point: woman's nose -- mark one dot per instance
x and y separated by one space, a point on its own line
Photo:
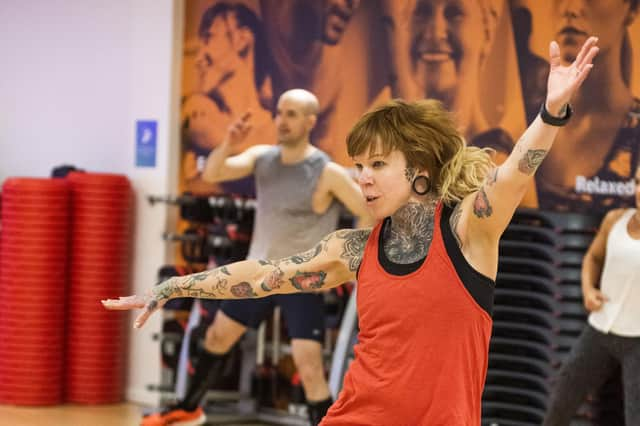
364 177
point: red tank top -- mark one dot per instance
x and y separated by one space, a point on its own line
422 351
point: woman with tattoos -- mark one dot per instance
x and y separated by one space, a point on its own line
611 339
425 272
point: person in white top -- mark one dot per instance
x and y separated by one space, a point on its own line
611 292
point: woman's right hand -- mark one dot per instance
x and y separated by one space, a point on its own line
593 299
150 301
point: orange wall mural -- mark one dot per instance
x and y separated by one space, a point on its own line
486 60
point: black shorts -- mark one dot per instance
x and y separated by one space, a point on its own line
303 313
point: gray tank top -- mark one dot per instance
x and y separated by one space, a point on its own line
285 223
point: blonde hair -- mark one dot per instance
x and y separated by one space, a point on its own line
426 133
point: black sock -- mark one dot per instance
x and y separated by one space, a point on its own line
208 369
317 410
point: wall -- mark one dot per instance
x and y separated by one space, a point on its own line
75 77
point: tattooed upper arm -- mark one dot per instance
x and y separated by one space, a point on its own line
504 186
492 206
350 243
530 160
355 241
481 202
331 262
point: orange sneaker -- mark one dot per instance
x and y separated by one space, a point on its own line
175 417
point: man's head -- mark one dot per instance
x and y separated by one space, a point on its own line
296 116
231 36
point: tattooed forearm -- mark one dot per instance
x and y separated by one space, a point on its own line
167 289
353 247
481 205
194 284
305 281
243 290
220 286
201 293
273 280
453 222
531 160
194 279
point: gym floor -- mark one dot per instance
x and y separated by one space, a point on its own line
82 415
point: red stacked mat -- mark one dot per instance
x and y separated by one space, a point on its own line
34 249
100 261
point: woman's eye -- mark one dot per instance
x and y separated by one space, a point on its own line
377 164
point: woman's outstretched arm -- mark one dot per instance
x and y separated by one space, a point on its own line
333 261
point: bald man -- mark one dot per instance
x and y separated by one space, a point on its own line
299 191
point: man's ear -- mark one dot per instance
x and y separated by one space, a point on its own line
312 120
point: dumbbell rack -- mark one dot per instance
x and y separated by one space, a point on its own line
200 243
205 238
538 314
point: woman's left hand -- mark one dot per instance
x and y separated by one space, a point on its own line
564 80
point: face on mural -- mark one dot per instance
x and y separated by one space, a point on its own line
575 20
336 16
447 43
218 55
203 122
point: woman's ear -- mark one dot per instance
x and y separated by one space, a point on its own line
412 172
423 172
421 184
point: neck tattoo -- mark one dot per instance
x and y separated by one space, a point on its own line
408 238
